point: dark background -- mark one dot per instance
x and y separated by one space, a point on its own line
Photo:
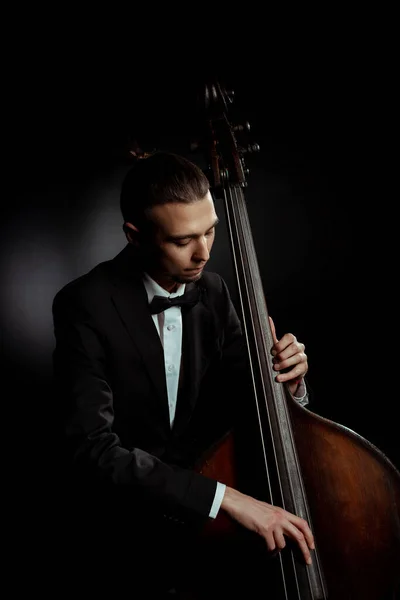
323 111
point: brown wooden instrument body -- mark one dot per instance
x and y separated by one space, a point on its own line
353 492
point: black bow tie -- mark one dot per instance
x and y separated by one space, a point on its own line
188 299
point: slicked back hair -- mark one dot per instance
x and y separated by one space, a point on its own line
160 178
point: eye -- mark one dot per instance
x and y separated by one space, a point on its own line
181 242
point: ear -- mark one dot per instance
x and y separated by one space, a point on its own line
131 233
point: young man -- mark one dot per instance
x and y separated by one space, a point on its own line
149 384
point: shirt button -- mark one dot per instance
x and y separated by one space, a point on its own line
170 327
170 367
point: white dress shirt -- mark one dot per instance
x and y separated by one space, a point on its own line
169 327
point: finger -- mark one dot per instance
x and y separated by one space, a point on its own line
273 330
287 344
269 538
291 349
302 526
298 536
297 359
297 373
279 540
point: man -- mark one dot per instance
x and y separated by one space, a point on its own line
148 387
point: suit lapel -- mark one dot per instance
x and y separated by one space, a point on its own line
130 300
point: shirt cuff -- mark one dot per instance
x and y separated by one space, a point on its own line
301 394
219 495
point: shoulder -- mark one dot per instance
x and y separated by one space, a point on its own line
217 298
211 280
216 289
214 284
90 285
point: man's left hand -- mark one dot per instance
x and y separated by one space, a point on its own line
288 354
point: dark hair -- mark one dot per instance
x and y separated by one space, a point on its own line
160 178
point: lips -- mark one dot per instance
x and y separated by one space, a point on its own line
195 270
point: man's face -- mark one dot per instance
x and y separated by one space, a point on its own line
183 237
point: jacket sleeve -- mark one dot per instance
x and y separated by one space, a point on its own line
83 384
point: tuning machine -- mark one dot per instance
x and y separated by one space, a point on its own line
240 128
245 148
250 149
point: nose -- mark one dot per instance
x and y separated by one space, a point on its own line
202 252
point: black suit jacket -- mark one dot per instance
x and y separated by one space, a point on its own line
110 377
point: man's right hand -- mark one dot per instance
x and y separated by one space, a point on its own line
271 522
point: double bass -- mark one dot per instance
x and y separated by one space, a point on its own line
346 488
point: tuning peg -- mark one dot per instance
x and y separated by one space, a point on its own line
245 127
250 149
245 168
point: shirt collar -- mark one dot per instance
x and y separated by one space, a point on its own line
154 289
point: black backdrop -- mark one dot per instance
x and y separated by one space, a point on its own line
320 218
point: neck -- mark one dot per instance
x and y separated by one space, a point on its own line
167 284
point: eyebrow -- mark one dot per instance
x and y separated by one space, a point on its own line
191 235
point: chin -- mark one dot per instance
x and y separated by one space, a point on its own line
188 278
